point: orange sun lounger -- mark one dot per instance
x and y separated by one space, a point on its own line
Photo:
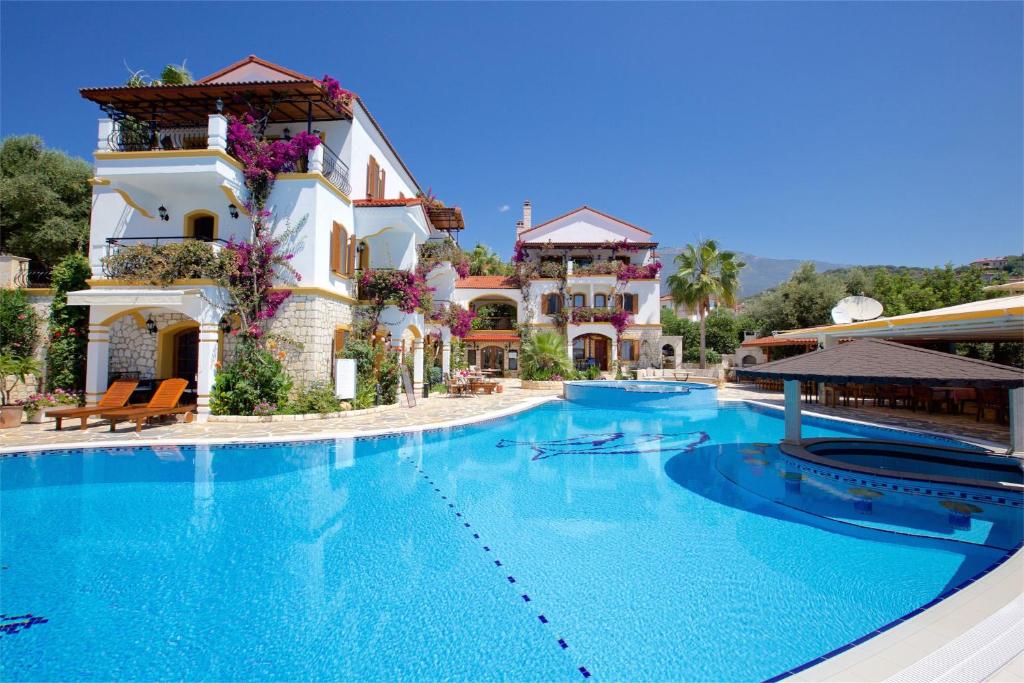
164 402
117 395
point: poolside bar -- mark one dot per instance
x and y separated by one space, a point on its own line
878 362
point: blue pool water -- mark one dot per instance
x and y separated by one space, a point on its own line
572 540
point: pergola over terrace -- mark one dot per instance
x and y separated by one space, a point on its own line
875 361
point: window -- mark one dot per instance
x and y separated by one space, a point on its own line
621 259
579 300
339 250
583 261
627 349
513 359
628 302
600 301
375 177
579 349
471 357
552 304
202 225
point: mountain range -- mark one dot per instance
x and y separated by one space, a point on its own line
759 274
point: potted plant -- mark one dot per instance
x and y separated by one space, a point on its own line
13 370
36 404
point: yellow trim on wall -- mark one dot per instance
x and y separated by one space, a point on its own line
188 230
92 282
132 203
37 291
98 181
319 177
165 346
317 291
171 154
233 199
940 318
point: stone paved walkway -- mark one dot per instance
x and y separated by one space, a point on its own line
439 410
961 426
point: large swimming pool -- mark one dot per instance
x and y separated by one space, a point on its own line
580 538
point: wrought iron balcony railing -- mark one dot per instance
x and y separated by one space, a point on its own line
141 137
336 171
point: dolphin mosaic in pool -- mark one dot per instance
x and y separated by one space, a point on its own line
615 443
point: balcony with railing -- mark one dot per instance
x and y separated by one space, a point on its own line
162 259
327 161
137 136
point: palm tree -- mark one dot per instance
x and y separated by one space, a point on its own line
544 355
705 273
483 261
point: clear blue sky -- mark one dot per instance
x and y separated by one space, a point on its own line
852 133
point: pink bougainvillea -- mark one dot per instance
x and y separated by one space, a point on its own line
519 252
262 160
404 289
339 97
630 271
457 319
619 319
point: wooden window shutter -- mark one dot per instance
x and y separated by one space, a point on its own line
339 340
371 179
351 266
336 248
383 176
618 301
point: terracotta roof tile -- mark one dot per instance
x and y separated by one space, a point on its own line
484 282
493 335
780 341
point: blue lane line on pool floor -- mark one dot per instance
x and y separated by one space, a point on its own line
511 579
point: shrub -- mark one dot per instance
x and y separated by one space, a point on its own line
692 355
316 398
65 357
592 372
435 377
13 371
376 369
254 376
543 357
165 263
19 332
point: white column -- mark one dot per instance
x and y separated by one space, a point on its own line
417 364
446 358
104 134
209 339
792 392
1017 421
316 159
97 363
217 132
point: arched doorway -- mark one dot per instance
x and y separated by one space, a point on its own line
591 349
748 360
492 358
201 225
668 356
186 355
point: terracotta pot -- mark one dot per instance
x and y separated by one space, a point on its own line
10 416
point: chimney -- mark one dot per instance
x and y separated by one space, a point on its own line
519 228
527 215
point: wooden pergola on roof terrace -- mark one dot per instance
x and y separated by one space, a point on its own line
875 361
250 84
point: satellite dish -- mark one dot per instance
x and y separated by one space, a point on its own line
859 308
840 315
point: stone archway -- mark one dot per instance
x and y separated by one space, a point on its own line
592 349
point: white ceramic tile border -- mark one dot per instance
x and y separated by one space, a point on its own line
291 438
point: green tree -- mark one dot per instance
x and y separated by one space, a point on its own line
723 331
704 273
44 201
483 261
66 355
805 300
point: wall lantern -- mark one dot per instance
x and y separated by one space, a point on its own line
233 210
219 104
164 216
150 325
225 324
287 134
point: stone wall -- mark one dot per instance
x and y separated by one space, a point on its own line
133 348
309 321
41 305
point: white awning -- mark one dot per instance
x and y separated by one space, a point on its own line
131 297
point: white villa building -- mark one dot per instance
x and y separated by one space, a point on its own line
583 267
354 197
